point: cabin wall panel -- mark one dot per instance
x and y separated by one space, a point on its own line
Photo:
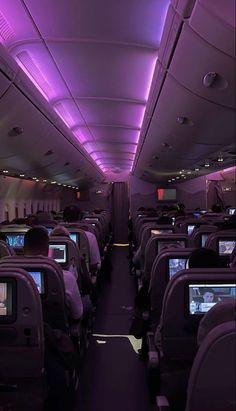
142 194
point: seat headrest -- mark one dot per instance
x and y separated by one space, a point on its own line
221 312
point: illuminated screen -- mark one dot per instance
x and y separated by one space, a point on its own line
73 237
190 228
5 299
204 237
232 211
226 247
175 265
164 243
15 240
202 297
58 252
91 219
161 231
38 279
166 194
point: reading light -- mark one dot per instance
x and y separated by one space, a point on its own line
209 79
169 181
5 171
197 169
220 159
22 175
44 181
206 164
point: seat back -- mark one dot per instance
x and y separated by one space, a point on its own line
165 265
5 249
15 234
212 379
155 244
21 342
183 308
189 224
200 235
50 275
222 242
78 235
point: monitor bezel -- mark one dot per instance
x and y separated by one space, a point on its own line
62 264
9 319
204 283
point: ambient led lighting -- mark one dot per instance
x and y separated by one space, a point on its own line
53 182
64 114
197 169
6 31
34 178
5 171
44 181
31 69
22 175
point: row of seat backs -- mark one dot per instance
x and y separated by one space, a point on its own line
53 295
178 328
212 242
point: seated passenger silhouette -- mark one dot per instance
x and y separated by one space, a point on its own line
204 258
36 242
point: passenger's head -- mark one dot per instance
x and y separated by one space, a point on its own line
164 219
204 258
216 208
59 230
36 241
3 237
71 214
208 295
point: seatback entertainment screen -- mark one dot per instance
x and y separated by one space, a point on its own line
202 297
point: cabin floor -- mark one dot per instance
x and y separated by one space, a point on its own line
112 375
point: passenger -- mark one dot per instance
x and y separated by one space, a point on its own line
36 242
72 214
84 291
216 208
204 258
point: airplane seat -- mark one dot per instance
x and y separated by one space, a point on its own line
189 224
151 230
166 264
155 245
48 276
5 249
22 383
200 234
223 242
172 350
210 384
213 375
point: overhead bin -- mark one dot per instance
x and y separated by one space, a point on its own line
201 131
194 59
214 21
183 7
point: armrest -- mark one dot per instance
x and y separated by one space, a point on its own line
162 403
153 353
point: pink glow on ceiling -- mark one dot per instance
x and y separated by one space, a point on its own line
227 170
41 67
32 70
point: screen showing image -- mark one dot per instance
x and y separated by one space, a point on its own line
73 237
204 237
166 194
160 231
202 297
58 252
190 228
164 243
15 240
226 246
38 279
91 219
175 265
232 211
5 299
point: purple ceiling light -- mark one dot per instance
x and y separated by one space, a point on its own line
31 69
96 72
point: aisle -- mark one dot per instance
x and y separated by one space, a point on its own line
112 376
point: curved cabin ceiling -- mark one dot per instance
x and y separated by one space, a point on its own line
126 86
